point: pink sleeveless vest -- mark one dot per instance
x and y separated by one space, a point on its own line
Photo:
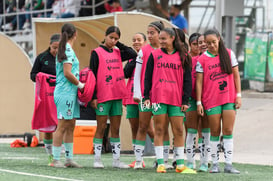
167 82
193 76
130 90
147 49
45 112
87 77
110 76
218 87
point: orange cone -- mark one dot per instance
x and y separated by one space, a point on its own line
34 141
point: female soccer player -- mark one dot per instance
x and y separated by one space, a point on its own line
46 63
168 79
202 44
145 113
193 120
106 64
218 92
65 96
139 40
193 42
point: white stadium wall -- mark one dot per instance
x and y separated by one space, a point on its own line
17 90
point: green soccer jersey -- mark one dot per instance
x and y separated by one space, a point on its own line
64 86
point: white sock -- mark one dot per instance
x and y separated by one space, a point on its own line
174 154
48 148
214 144
159 153
97 150
190 144
116 150
166 150
206 148
179 152
97 147
228 149
139 150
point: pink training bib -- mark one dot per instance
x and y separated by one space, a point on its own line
45 112
87 77
167 82
110 76
193 76
218 87
147 49
130 90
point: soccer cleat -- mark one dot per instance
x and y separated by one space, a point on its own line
190 165
98 163
50 159
160 169
57 164
138 165
203 168
215 168
143 164
185 170
132 165
72 164
168 166
230 169
119 164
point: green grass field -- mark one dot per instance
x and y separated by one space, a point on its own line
29 164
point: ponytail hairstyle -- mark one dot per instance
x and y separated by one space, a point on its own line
112 29
182 47
158 25
68 32
224 57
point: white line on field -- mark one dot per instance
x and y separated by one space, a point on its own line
37 175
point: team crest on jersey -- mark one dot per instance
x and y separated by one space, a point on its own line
46 62
209 110
101 109
156 107
69 113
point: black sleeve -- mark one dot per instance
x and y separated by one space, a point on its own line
129 68
187 86
35 69
148 77
94 65
126 52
